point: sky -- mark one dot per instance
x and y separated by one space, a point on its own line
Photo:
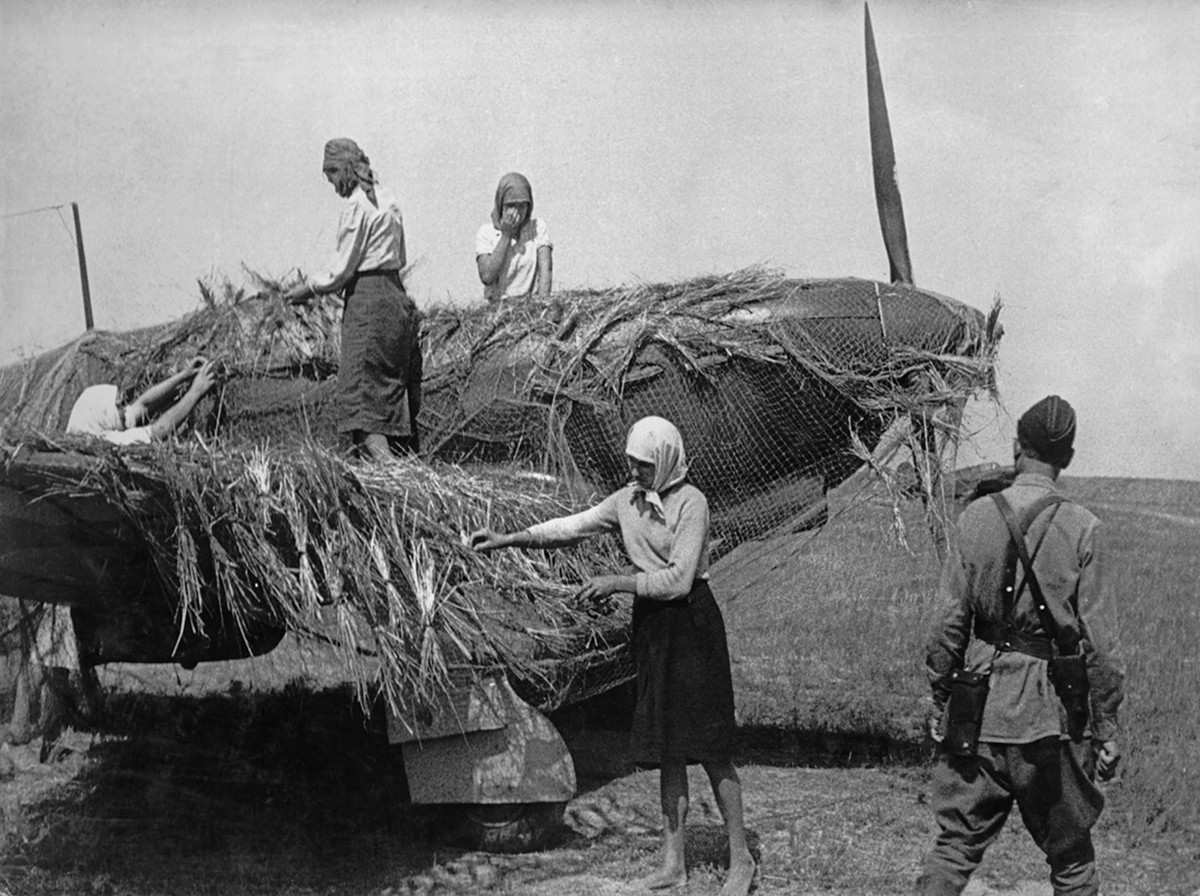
1047 153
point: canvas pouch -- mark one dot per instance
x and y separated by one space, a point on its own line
1069 676
964 711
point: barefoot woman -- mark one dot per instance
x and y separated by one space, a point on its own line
684 708
379 374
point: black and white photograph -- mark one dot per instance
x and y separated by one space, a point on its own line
599 448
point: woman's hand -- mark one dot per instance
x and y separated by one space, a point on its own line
484 540
300 294
205 378
189 372
510 221
601 587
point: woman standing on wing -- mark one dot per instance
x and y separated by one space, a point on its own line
513 251
684 710
379 374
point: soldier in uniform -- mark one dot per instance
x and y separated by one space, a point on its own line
1027 747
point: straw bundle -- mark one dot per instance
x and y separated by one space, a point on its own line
254 336
372 554
771 381
775 384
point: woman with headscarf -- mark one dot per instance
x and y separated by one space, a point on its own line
379 373
513 251
684 711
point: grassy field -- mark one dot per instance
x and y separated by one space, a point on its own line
827 633
194 785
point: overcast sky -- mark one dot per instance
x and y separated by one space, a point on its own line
1048 152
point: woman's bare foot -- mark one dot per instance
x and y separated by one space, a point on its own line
663 879
741 875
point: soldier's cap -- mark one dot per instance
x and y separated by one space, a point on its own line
1049 429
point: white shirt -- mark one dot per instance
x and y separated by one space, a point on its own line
369 238
520 268
96 413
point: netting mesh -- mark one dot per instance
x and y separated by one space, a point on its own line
778 387
770 381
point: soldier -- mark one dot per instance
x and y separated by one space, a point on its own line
1012 713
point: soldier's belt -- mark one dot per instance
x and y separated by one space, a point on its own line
1006 638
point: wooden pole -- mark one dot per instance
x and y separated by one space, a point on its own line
83 277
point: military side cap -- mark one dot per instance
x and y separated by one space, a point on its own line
1048 428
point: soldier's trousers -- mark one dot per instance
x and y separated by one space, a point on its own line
1050 781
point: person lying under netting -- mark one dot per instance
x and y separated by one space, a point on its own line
380 369
153 415
684 710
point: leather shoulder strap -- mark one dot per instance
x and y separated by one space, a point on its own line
1017 529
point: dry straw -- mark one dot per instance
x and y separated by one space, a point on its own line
371 554
287 532
889 352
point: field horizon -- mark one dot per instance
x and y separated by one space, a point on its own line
826 632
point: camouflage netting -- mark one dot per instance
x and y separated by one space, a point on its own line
780 387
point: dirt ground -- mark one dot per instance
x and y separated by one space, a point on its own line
169 812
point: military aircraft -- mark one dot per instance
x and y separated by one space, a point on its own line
780 387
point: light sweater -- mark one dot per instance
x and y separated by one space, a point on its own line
670 551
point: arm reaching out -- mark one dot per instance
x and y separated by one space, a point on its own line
145 405
170 419
595 589
486 540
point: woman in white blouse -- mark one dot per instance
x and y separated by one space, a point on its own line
379 373
513 251
684 711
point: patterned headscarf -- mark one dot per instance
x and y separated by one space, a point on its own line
656 441
513 187
350 167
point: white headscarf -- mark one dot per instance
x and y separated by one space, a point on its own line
654 440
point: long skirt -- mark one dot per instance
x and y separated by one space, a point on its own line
379 374
684 689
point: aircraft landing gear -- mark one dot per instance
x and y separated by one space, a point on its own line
510 827
494 761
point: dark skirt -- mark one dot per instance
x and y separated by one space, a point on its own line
684 689
379 375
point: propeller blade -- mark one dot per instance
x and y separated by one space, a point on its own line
883 161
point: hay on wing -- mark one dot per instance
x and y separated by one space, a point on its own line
772 381
255 336
313 542
269 524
